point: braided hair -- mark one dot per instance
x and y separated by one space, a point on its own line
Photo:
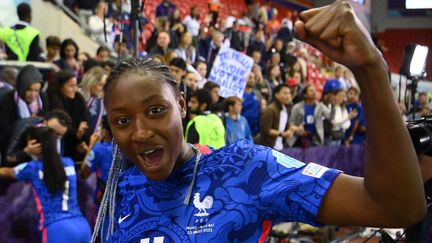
147 69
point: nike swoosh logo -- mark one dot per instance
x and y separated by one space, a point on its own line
121 219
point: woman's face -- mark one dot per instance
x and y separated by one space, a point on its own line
146 116
195 11
339 97
275 72
32 92
176 14
352 96
70 51
97 90
191 81
296 67
215 94
202 69
69 89
187 39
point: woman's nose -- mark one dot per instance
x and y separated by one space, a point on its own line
142 131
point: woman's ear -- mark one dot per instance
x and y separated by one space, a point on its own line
182 105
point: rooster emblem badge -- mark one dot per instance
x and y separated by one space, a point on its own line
206 203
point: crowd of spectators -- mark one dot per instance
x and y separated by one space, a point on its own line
281 103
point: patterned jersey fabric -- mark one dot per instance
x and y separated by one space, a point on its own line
238 189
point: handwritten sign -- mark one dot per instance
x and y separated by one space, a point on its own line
230 71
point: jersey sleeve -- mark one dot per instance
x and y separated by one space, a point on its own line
93 158
291 190
25 171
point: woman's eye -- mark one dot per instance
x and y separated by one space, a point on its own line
156 110
122 121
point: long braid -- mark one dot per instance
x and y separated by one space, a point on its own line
147 69
110 189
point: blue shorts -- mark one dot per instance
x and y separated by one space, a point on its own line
73 230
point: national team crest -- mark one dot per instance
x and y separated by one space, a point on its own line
206 203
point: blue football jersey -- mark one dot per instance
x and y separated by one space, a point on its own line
240 190
51 208
99 160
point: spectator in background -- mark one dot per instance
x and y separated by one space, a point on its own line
162 44
53 45
349 79
176 32
338 75
69 57
102 54
121 52
356 133
422 108
275 130
215 45
8 77
178 69
252 104
308 116
174 18
98 160
84 9
119 8
235 36
289 56
186 50
257 58
165 8
331 86
214 10
63 94
236 125
302 58
296 89
273 23
92 91
192 22
191 81
107 66
272 81
285 33
24 102
96 25
340 118
217 105
204 127
295 71
22 40
277 46
170 55
257 43
201 68
21 149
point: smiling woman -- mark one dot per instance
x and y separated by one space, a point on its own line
240 190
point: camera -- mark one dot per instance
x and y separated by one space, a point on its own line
420 131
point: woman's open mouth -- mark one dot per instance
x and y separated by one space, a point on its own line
151 157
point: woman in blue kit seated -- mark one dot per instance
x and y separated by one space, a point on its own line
54 185
161 189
